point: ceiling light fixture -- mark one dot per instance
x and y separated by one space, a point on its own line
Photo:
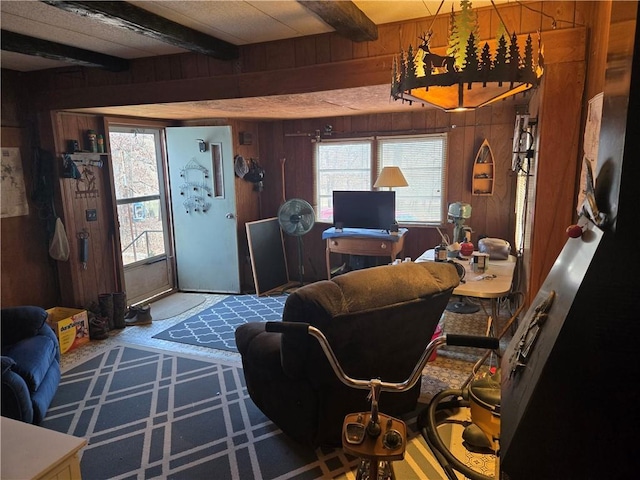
466 76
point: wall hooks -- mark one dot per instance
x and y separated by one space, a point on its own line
195 189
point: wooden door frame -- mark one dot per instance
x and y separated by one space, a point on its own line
117 246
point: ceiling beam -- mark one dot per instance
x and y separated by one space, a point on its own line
126 15
18 43
345 17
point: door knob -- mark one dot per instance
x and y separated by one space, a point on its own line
230 215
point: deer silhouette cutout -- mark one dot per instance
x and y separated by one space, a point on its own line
433 62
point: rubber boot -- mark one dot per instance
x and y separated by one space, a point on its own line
105 301
119 309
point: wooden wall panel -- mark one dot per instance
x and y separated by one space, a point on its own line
558 162
247 205
341 48
28 273
81 286
490 215
165 82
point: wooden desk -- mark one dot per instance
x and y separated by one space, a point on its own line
481 285
32 452
358 241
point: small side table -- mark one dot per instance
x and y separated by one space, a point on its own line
361 241
30 452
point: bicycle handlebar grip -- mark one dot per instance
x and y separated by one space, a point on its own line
490 343
292 327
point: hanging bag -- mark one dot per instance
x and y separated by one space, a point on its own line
59 246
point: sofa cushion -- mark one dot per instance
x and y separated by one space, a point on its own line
46 391
7 363
381 286
20 322
33 356
16 399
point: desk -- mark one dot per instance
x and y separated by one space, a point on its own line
32 452
476 286
363 241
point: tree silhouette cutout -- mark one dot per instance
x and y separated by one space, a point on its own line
453 50
500 62
485 64
470 60
527 66
466 24
514 59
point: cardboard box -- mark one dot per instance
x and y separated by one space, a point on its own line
71 326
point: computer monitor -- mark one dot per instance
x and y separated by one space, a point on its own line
364 209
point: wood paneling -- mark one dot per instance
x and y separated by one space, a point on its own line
247 198
309 64
80 286
28 272
490 215
558 161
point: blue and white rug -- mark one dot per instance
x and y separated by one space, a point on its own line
215 327
153 414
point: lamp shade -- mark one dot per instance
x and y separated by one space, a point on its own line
391 177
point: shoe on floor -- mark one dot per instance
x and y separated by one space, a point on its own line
98 328
142 316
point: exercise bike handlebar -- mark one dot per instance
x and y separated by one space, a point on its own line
490 343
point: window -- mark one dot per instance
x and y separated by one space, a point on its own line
343 165
136 163
349 165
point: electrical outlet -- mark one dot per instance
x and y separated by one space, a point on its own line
91 215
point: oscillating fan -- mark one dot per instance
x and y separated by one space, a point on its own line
296 218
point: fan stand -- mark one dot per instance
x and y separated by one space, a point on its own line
296 217
300 261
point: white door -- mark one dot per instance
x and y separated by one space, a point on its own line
204 208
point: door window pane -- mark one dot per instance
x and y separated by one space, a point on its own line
135 160
135 165
141 234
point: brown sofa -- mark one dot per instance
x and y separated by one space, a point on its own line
378 320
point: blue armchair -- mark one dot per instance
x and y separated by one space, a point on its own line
30 363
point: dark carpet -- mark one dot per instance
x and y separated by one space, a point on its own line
215 327
149 413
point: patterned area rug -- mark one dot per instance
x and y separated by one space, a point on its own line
215 327
153 414
149 413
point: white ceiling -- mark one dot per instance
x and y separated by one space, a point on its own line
239 22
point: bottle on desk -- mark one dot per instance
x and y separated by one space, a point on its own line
440 253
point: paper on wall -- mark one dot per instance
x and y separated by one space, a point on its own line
13 192
590 145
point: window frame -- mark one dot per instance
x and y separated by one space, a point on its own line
375 166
